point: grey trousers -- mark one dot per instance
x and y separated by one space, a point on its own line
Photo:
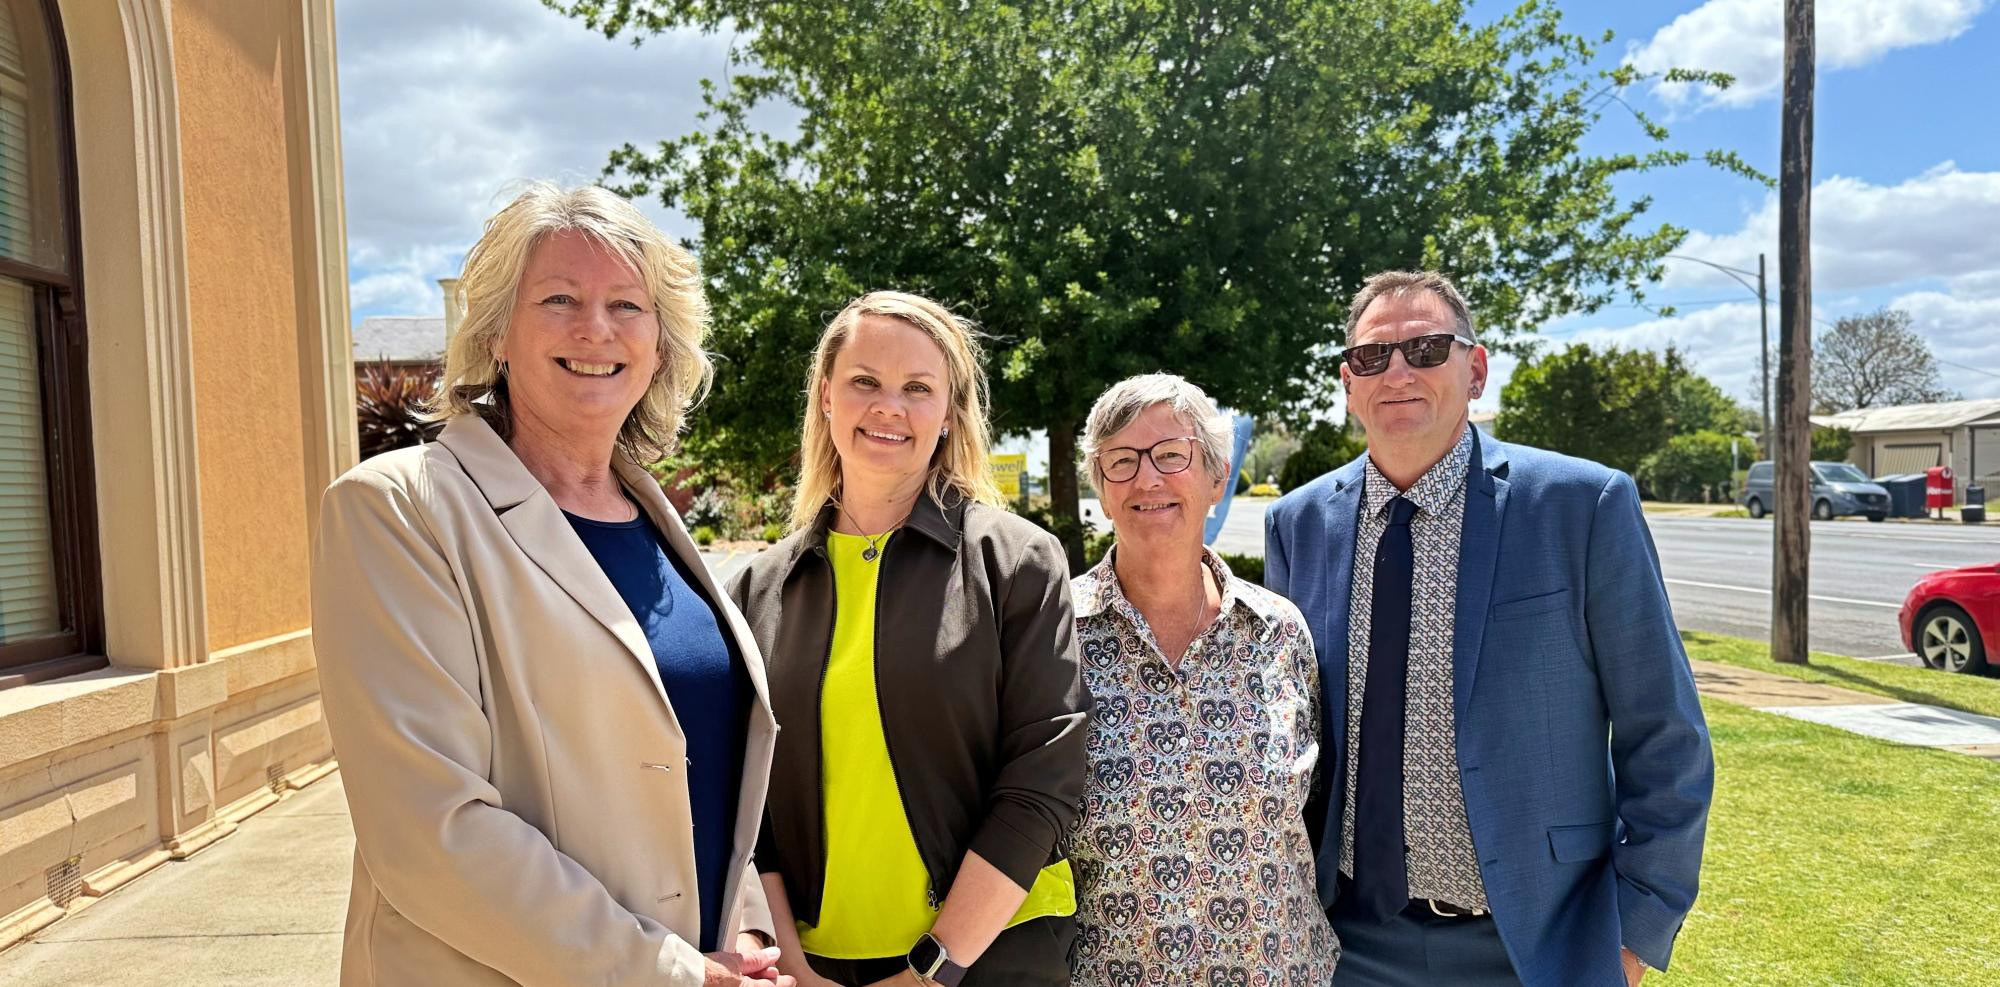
1414 948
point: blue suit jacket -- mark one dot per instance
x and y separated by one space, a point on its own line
1581 745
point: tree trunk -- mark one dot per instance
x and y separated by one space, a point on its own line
1793 451
1063 508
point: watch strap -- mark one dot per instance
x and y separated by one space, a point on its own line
932 964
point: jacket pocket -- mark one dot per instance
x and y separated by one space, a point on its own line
1576 844
1528 606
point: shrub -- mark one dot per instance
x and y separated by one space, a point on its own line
1096 544
1249 568
710 509
1831 444
774 531
1689 468
1261 490
703 535
1324 448
387 402
1242 481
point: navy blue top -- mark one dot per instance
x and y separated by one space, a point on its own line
704 678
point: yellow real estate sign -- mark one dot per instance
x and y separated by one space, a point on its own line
1007 470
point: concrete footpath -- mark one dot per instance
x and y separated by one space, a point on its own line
265 905
1910 724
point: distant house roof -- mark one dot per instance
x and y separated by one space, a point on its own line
399 338
1912 417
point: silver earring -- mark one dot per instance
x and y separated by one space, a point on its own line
828 415
944 432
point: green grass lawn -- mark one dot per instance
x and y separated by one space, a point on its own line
1972 693
1836 859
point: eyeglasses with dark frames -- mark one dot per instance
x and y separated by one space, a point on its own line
1168 456
1422 352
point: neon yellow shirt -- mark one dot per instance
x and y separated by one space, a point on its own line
876 901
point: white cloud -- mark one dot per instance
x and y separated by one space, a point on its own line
1964 334
447 106
1745 38
1937 225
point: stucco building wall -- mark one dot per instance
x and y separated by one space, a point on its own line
221 394
237 195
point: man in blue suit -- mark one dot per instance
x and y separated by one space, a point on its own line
1520 774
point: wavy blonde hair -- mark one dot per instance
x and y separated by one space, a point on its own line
961 462
473 383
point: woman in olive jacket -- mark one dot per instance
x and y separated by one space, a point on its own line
922 658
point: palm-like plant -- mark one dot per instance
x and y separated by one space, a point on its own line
389 399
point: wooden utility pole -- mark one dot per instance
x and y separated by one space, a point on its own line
1793 450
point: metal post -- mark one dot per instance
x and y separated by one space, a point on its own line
1764 319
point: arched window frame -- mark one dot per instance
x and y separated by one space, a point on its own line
60 329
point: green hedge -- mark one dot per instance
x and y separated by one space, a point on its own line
1250 567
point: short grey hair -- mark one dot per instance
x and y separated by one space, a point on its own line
1408 283
1126 400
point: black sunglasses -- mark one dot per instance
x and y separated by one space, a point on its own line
1369 359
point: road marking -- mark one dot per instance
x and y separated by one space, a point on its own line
1766 592
1838 527
1932 565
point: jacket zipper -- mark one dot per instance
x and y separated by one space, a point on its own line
825 665
882 716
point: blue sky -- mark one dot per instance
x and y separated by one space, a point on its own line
448 104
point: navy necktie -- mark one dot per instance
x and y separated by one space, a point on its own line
1381 875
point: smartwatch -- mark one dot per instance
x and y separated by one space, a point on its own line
932 964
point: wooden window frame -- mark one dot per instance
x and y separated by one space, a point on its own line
64 369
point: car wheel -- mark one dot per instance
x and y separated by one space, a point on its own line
1756 507
1822 511
1877 517
1948 639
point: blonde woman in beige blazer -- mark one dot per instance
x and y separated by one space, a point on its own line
523 788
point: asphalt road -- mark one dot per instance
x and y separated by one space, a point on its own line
1718 572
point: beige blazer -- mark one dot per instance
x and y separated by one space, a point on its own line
514 770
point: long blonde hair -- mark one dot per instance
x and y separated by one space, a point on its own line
473 383
961 460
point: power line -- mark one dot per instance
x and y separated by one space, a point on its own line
1962 366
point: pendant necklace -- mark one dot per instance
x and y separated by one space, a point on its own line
874 549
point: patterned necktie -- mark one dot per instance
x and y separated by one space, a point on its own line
1381 874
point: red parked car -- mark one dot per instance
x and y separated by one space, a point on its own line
1951 619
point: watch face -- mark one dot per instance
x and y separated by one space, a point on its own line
926 956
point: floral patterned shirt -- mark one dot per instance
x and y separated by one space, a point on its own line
1193 865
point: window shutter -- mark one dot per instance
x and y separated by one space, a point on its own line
27 568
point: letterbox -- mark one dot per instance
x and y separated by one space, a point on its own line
1937 487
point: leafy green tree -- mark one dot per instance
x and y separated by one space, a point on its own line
1691 467
1612 405
1699 405
1274 443
1831 444
1119 186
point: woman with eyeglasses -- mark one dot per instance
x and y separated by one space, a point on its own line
1192 856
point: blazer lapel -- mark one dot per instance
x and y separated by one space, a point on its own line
1335 596
761 735
647 491
1343 521
538 527
1478 555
